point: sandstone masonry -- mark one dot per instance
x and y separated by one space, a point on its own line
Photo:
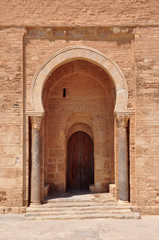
106 55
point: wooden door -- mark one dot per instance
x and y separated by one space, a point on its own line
80 161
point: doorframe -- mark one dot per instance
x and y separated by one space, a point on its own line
75 124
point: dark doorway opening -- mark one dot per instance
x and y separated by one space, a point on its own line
80 161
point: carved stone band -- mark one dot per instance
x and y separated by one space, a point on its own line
36 122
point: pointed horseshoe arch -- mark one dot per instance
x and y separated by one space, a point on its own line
74 53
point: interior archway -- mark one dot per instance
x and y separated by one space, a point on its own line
89 99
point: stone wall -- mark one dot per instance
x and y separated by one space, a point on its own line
11 117
72 12
147 117
125 31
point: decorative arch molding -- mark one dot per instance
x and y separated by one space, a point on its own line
80 127
83 53
79 122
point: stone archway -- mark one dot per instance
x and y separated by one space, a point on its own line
121 111
85 53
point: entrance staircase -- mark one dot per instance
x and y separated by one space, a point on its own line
80 206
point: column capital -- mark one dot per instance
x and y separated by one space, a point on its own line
122 120
36 122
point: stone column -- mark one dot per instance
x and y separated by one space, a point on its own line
122 121
35 161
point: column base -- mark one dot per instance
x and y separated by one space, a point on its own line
123 202
35 204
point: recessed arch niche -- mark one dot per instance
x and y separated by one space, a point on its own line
88 106
51 76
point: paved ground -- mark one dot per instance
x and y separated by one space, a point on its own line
16 227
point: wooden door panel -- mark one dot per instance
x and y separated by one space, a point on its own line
88 161
73 176
80 161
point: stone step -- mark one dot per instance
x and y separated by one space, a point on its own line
75 204
81 207
72 208
130 215
104 197
83 203
80 211
70 200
